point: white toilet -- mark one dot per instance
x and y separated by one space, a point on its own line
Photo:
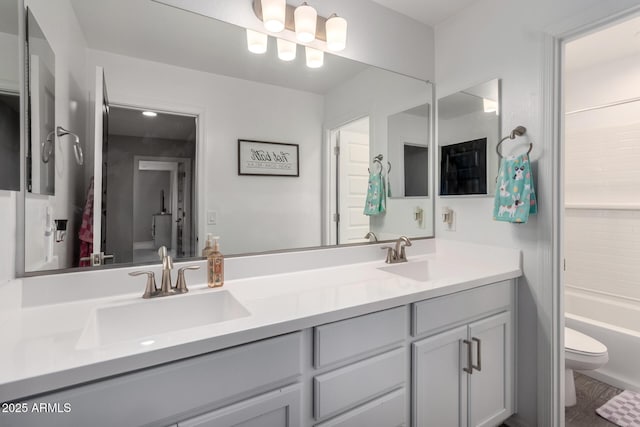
583 353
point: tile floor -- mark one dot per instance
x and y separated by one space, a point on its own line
591 394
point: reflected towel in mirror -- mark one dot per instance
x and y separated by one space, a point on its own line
376 201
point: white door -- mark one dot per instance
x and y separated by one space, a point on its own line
490 385
353 176
439 382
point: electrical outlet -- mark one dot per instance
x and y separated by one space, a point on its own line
212 218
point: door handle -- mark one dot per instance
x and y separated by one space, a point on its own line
469 368
478 367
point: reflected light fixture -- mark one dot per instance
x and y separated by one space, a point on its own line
286 50
336 30
490 106
149 114
256 42
274 13
305 18
315 57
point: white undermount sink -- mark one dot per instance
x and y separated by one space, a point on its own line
416 270
142 319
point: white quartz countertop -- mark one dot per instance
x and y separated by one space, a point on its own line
41 348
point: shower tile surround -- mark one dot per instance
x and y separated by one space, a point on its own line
326 285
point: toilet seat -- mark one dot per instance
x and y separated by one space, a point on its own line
578 343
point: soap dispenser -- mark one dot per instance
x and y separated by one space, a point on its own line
215 266
208 246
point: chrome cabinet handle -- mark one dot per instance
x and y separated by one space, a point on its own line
469 368
151 289
181 284
478 367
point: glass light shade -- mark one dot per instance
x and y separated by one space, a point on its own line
256 42
490 106
273 14
305 20
286 50
315 57
336 28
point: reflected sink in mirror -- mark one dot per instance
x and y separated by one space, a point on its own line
416 270
142 319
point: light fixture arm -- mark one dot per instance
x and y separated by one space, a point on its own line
289 24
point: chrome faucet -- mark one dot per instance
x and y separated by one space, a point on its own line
166 289
167 266
397 254
370 235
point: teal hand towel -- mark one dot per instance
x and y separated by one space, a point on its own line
376 201
515 196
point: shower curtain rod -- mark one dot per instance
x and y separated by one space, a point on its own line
599 107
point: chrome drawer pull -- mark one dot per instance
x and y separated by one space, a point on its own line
478 352
469 368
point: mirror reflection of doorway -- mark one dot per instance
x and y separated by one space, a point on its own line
349 178
150 191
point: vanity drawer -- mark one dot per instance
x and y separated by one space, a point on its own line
153 395
389 410
355 384
437 313
348 338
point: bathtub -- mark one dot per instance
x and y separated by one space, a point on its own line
616 323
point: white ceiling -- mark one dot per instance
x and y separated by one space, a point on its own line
615 42
430 12
149 30
129 122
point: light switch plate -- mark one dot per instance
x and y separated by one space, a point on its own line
212 218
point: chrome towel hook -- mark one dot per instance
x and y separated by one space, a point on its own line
59 132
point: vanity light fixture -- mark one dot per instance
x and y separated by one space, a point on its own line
149 114
274 13
307 25
256 42
315 57
305 18
336 30
490 106
286 50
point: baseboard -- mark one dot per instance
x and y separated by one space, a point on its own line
613 380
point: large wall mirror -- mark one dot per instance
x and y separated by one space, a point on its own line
167 108
468 133
9 97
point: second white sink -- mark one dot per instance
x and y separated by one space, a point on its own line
416 270
144 318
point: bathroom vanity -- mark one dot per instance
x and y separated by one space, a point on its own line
427 342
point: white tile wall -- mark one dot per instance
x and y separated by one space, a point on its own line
602 195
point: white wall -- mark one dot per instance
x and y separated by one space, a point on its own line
376 35
505 39
9 67
380 94
601 176
253 213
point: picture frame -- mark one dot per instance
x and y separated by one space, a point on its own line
262 158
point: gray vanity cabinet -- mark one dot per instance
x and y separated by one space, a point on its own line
463 373
279 408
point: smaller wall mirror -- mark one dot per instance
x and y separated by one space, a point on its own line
408 152
9 97
468 132
41 86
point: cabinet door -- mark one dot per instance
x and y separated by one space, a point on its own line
491 384
439 384
280 408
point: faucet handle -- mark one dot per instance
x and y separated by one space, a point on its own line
181 284
151 289
391 254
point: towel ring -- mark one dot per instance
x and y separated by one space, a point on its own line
378 160
518 131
